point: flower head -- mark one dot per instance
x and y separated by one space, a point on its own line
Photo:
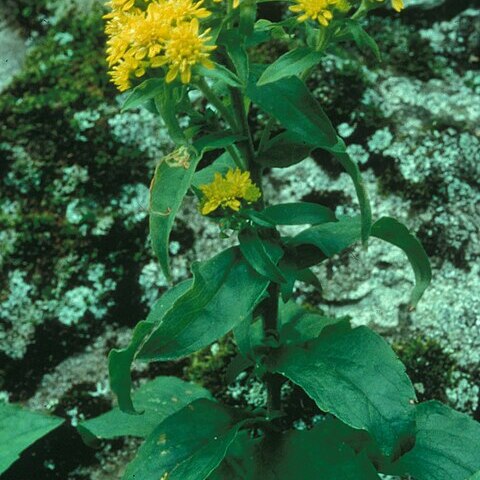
396 4
228 191
185 48
319 10
165 33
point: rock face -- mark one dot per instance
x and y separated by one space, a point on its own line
12 51
76 268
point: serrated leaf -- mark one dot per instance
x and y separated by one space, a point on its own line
331 238
20 428
354 375
225 290
261 255
447 445
188 445
394 232
158 399
120 360
299 213
290 64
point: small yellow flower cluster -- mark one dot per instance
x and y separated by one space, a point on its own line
166 33
228 191
323 10
396 4
319 10
236 3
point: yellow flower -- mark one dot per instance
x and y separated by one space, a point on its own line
127 67
343 5
396 4
236 3
123 5
228 191
184 49
319 10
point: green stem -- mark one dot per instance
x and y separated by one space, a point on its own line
273 382
239 107
217 103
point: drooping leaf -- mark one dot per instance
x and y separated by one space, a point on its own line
397 234
354 375
120 360
293 274
168 189
20 428
447 445
169 186
261 255
188 445
299 213
301 114
331 238
290 64
225 291
158 399
298 111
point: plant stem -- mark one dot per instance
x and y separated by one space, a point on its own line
218 104
273 382
239 107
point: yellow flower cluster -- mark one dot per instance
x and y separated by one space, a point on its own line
396 4
322 11
165 34
228 191
319 10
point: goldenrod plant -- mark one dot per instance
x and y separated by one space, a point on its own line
167 54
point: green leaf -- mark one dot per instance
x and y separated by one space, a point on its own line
397 234
303 455
120 360
158 398
331 238
188 445
298 110
145 91
284 150
206 175
299 213
225 291
292 274
219 73
352 169
169 186
363 39
354 375
237 53
290 64
215 141
299 325
261 255
447 445
19 428
301 114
